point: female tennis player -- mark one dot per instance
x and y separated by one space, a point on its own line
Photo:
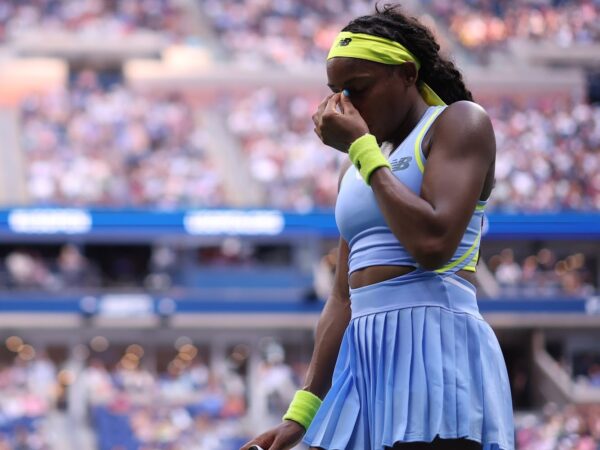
403 358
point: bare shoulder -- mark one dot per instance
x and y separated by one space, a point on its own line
466 125
465 114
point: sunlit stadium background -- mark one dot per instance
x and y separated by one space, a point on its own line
166 231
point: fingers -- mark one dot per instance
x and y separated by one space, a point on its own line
321 111
346 105
317 116
253 446
263 444
318 133
333 101
282 443
330 113
335 118
258 443
277 445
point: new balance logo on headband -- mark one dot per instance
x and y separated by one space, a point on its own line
344 42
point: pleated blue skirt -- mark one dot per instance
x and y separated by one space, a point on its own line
417 361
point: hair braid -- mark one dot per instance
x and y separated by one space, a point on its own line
440 74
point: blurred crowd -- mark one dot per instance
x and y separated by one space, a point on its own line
75 268
288 33
28 391
186 408
486 24
548 154
90 18
93 145
185 405
542 274
284 33
518 274
284 155
569 428
127 407
189 404
256 32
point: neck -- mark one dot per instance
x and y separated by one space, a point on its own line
410 121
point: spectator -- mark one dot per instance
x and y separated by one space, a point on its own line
74 269
508 272
28 270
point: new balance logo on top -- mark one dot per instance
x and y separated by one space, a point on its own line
344 42
401 163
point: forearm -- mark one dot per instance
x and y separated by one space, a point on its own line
330 330
414 221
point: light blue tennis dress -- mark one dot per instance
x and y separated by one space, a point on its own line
417 360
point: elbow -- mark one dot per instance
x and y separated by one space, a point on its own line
433 254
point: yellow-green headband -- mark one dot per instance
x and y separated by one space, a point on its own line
381 50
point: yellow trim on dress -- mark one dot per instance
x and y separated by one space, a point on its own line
463 257
420 139
471 267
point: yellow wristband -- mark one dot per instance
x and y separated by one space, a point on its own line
366 156
303 408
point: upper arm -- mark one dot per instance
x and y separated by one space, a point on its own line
461 152
341 288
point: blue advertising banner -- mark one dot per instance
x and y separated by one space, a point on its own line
136 305
49 223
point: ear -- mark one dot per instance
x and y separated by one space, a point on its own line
407 72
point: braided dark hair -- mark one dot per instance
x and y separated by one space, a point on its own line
440 74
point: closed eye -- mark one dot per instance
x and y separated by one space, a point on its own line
351 90
356 92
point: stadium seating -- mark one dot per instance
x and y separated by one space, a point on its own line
129 143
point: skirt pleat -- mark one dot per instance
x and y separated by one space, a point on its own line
413 374
344 405
389 401
476 387
417 391
497 395
447 339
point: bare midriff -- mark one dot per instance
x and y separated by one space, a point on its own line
377 274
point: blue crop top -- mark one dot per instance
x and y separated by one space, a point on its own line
363 226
